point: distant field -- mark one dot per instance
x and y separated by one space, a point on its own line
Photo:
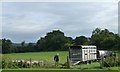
38 56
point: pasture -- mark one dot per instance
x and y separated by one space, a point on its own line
49 57
38 56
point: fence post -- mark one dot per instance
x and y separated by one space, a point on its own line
17 62
68 62
102 60
30 62
114 55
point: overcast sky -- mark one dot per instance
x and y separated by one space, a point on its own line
31 20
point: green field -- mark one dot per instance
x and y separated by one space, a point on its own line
38 56
49 57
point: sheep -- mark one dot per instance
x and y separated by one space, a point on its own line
27 63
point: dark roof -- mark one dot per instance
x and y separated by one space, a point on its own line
77 47
81 46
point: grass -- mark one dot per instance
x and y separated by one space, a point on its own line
94 65
38 56
49 57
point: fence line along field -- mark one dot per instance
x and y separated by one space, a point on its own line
38 56
48 56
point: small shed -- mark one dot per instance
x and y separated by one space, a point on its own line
82 53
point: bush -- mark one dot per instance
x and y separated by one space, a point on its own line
7 63
111 62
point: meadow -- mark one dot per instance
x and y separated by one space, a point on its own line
49 57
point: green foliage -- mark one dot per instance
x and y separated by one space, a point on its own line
7 63
104 39
111 62
7 46
81 40
25 47
54 41
57 41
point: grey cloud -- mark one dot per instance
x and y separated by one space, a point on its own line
31 20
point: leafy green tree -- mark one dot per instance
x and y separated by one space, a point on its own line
7 46
104 39
96 38
81 40
54 41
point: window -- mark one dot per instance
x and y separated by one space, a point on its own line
84 48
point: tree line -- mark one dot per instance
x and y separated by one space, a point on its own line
57 41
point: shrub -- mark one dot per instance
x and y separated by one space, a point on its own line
111 62
7 63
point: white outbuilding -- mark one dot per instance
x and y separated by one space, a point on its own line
83 53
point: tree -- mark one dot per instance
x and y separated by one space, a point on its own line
23 47
23 43
31 47
81 40
7 46
104 39
54 40
96 31
96 38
